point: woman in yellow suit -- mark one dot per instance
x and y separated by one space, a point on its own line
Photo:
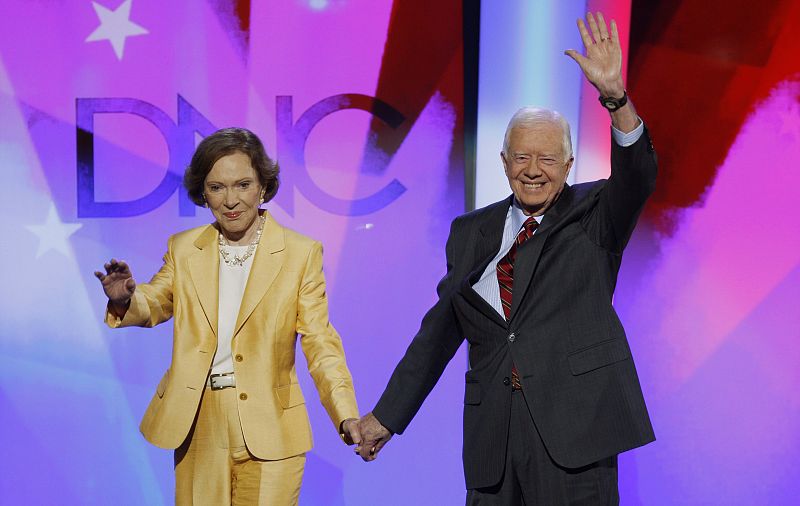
240 291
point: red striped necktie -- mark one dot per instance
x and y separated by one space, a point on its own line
505 278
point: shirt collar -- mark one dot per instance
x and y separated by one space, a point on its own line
518 217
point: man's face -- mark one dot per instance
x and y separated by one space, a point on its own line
536 165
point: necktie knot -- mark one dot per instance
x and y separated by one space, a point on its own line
527 230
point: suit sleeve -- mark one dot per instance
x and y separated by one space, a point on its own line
151 303
428 354
322 345
622 198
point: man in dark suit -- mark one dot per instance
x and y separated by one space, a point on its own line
552 395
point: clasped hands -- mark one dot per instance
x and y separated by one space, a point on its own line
367 434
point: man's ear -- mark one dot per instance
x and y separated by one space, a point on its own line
570 162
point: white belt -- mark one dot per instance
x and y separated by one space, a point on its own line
220 381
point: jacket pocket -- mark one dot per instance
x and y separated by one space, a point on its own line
162 385
599 355
290 395
472 393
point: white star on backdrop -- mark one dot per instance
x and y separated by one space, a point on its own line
53 234
115 26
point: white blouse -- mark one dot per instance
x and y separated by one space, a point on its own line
232 281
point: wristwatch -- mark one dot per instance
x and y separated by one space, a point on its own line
611 103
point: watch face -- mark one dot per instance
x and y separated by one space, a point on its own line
610 104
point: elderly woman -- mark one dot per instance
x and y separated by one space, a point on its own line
240 291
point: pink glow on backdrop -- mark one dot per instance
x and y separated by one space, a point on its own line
716 327
594 138
726 257
341 47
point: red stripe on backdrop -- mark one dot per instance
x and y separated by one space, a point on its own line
697 69
423 56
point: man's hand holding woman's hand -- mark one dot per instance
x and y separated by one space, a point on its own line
367 434
374 436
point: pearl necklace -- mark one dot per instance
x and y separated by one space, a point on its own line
238 261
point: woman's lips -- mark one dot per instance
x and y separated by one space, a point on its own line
232 216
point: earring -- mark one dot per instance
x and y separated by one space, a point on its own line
205 202
263 192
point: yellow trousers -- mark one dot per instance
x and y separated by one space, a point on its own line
213 465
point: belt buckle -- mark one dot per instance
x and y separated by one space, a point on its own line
213 384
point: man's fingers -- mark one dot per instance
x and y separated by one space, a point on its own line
368 450
378 447
363 449
579 58
601 25
585 37
593 27
364 452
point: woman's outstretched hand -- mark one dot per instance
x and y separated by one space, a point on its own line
118 283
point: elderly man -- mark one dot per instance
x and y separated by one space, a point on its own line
552 395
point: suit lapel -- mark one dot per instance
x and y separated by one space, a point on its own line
204 271
531 250
267 263
490 237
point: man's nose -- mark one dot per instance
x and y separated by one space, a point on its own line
532 170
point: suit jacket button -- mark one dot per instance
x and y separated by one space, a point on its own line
239 358
243 396
511 337
506 381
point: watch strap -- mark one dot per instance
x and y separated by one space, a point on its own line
612 104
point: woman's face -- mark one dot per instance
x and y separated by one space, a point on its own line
233 194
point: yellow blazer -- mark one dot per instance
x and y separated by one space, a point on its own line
285 296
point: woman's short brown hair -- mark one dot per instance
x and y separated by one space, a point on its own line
226 142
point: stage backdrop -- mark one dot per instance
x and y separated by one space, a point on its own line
101 106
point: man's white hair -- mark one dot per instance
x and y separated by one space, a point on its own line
531 116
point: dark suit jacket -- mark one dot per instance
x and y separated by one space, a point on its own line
563 334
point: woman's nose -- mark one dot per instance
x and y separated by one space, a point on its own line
231 199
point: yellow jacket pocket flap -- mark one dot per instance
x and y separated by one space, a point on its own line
290 395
